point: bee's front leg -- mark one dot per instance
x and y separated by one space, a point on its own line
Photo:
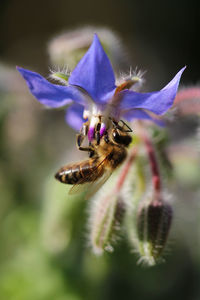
80 138
98 137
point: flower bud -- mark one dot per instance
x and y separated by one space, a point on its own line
106 217
187 101
132 81
153 225
69 47
61 77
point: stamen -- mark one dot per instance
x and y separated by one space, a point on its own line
97 127
102 129
91 133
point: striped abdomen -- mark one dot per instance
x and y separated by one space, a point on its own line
82 172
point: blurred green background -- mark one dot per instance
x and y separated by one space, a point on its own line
43 233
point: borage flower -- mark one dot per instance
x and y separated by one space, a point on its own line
92 93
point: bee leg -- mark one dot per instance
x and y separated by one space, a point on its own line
115 124
124 126
84 129
81 136
79 139
106 138
91 153
98 137
89 149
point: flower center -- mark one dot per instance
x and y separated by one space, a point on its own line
97 127
101 116
97 123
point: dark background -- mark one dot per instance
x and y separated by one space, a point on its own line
155 31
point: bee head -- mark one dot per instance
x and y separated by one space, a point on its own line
121 137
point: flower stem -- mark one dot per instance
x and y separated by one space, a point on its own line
156 179
126 169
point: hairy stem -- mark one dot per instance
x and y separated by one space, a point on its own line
126 169
156 179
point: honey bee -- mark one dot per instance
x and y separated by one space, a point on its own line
105 155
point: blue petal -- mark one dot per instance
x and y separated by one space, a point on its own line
140 114
74 116
51 95
94 73
157 102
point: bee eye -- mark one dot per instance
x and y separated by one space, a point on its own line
116 137
127 140
121 139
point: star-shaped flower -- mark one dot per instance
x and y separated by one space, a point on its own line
92 93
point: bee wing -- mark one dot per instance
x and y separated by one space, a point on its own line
98 184
90 184
79 187
90 187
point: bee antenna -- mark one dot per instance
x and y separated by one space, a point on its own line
128 128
